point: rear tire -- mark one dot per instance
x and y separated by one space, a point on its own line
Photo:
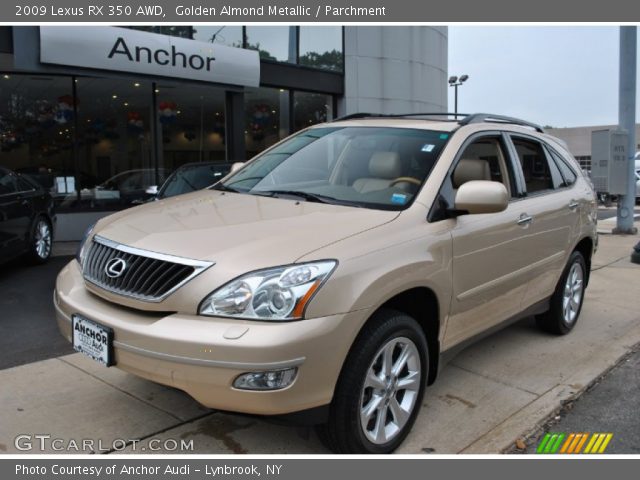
379 392
41 242
566 302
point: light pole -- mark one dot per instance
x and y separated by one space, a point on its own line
627 121
455 82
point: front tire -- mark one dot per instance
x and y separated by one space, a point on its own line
380 389
41 242
566 302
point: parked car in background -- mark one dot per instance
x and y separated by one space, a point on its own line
27 218
129 187
122 190
332 275
191 177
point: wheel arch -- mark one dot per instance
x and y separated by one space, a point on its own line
420 303
585 247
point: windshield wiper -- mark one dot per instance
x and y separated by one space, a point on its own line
224 188
310 197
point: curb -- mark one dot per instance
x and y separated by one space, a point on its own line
529 421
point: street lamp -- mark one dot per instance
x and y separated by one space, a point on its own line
455 82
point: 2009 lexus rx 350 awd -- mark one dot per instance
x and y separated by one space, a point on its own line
329 275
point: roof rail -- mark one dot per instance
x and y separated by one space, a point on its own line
354 116
430 114
465 118
488 117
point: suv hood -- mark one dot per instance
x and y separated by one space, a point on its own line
265 231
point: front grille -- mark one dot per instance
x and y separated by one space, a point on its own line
140 274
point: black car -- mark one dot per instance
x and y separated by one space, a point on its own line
27 218
191 177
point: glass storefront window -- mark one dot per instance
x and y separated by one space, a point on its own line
115 164
192 124
311 108
273 43
182 31
36 129
101 150
229 35
176 31
267 118
321 47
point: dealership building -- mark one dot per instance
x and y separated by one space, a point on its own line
578 140
97 114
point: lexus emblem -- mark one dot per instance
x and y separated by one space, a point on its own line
115 267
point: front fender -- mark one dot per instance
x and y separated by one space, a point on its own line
365 281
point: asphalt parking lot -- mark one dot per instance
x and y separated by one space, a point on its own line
499 390
610 212
27 332
611 405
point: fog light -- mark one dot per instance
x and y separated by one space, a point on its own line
273 380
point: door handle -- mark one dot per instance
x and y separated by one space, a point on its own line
524 219
573 205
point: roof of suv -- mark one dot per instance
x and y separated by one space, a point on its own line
447 122
397 122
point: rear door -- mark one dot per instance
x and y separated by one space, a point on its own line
551 209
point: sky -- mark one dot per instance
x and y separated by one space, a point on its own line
558 76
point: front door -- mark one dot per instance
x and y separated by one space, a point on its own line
14 216
489 250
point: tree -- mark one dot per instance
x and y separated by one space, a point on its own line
264 55
327 61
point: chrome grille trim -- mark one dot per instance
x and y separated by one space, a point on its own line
150 276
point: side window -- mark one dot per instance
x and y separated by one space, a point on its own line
483 159
24 185
8 183
539 174
568 174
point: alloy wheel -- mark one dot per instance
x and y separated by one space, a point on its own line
43 239
572 297
390 390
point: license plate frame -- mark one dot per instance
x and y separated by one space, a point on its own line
92 339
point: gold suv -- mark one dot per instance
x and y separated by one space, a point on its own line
329 277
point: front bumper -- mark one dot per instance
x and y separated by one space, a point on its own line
204 355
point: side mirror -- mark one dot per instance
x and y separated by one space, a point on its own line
152 190
235 166
482 196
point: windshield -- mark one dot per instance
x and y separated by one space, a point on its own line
191 178
132 180
372 167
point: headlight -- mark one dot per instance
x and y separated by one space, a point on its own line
82 250
280 293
